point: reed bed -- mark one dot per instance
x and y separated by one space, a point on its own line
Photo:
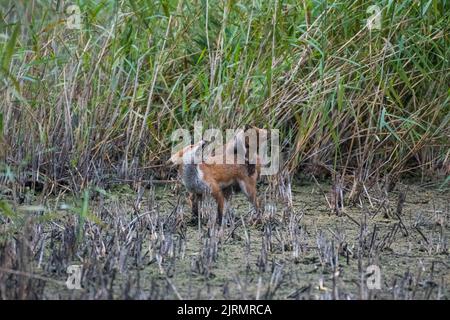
140 247
90 105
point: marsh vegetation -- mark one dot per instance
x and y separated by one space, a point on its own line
88 104
140 246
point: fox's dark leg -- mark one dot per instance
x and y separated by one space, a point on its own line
195 200
248 186
227 192
217 193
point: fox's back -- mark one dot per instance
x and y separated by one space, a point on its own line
223 174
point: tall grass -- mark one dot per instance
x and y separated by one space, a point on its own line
89 105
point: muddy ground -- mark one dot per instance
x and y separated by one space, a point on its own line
140 245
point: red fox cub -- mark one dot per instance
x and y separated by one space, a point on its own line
217 176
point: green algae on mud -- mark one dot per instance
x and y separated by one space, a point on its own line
146 248
308 273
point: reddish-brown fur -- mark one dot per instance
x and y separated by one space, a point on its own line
221 178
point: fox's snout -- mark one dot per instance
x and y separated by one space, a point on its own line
187 154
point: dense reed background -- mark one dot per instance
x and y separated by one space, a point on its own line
90 105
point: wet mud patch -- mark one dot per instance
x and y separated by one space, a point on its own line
140 245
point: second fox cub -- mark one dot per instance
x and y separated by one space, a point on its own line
216 177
